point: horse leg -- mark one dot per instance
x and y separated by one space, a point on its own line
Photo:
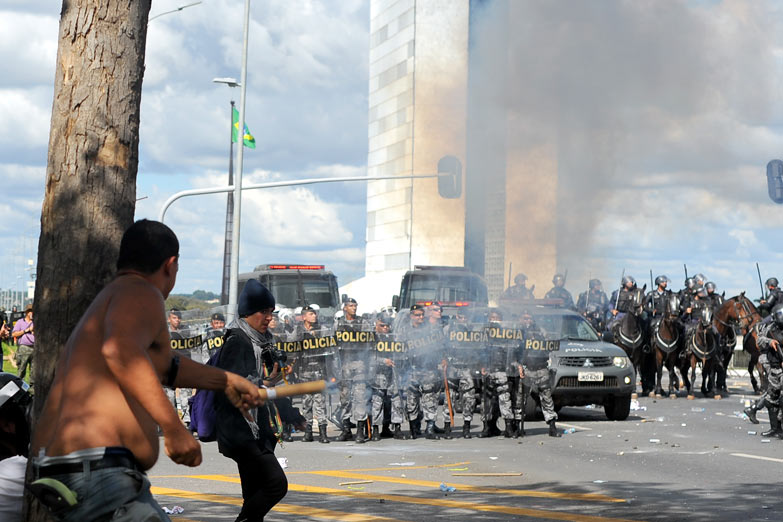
753 382
658 372
691 393
672 376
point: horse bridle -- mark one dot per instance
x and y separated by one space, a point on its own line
740 318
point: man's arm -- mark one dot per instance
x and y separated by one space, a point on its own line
135 335
240 392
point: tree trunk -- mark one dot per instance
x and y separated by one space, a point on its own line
91 171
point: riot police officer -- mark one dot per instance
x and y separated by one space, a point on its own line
500 362
655 300
355 395
519 290
593 304
559 292
770 338
464 355
312 367
534 371
775 296
715 299
386 384
625 302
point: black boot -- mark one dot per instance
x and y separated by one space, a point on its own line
466 430
308 436
397 433
386 433
774 424
520 429
485 431
447 431
376 433
508 431
415 429
360 438
322 438
494 431
553 431
346 434
429 433
750 411
286 435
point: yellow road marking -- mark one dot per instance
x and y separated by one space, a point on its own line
467 487
453 504
757 457
307 511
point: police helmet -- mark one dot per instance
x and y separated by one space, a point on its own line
690 283
777 314
700 291
710 287
661 279
700 278
595 283
520 279
339 314
628 279
385 318
15 405
773 282
558 280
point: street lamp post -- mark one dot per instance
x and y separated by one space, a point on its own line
226 278
234 273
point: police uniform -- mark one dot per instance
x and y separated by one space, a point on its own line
535 364
386 382
593 305
500 363
558 292
355 394
464 361
426 350
312 367
772 359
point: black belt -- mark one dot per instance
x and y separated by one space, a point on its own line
107 461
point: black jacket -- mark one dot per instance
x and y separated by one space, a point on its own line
233 431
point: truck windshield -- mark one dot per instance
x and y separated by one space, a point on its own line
316 289
444 288
569 327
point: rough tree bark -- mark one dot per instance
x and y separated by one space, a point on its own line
91 171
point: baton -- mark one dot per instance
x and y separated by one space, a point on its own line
617 299
686 270
448 394
761 285
300 388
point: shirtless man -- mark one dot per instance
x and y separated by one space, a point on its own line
97 433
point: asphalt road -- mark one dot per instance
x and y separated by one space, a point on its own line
672 459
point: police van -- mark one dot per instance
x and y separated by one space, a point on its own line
450 286
298 285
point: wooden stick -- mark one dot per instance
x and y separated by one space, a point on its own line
300 388
486 474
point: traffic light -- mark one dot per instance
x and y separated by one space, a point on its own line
775 180
449 177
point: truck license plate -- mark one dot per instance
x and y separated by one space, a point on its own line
591 376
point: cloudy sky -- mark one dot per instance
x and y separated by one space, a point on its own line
675 107
306 107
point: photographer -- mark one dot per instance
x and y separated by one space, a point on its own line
247 351
24 335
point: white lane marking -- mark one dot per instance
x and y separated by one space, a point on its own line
757 457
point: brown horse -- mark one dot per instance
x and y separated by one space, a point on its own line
738 313
665 340
628 334
701 345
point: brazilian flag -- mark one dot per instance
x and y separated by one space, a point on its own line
249 140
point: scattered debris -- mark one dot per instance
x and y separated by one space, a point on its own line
751 433
655 441
458 469
620 454
599 482
697 409
176 510
402 463
569 430
765 440
283 462
447 489
355 482
493 458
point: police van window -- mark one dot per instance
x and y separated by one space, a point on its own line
443 288
285 290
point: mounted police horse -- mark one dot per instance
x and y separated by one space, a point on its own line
628 333
701 348
738 313
665 341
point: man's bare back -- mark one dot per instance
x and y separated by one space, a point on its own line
107 390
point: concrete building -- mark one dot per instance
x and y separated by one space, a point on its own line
436 87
